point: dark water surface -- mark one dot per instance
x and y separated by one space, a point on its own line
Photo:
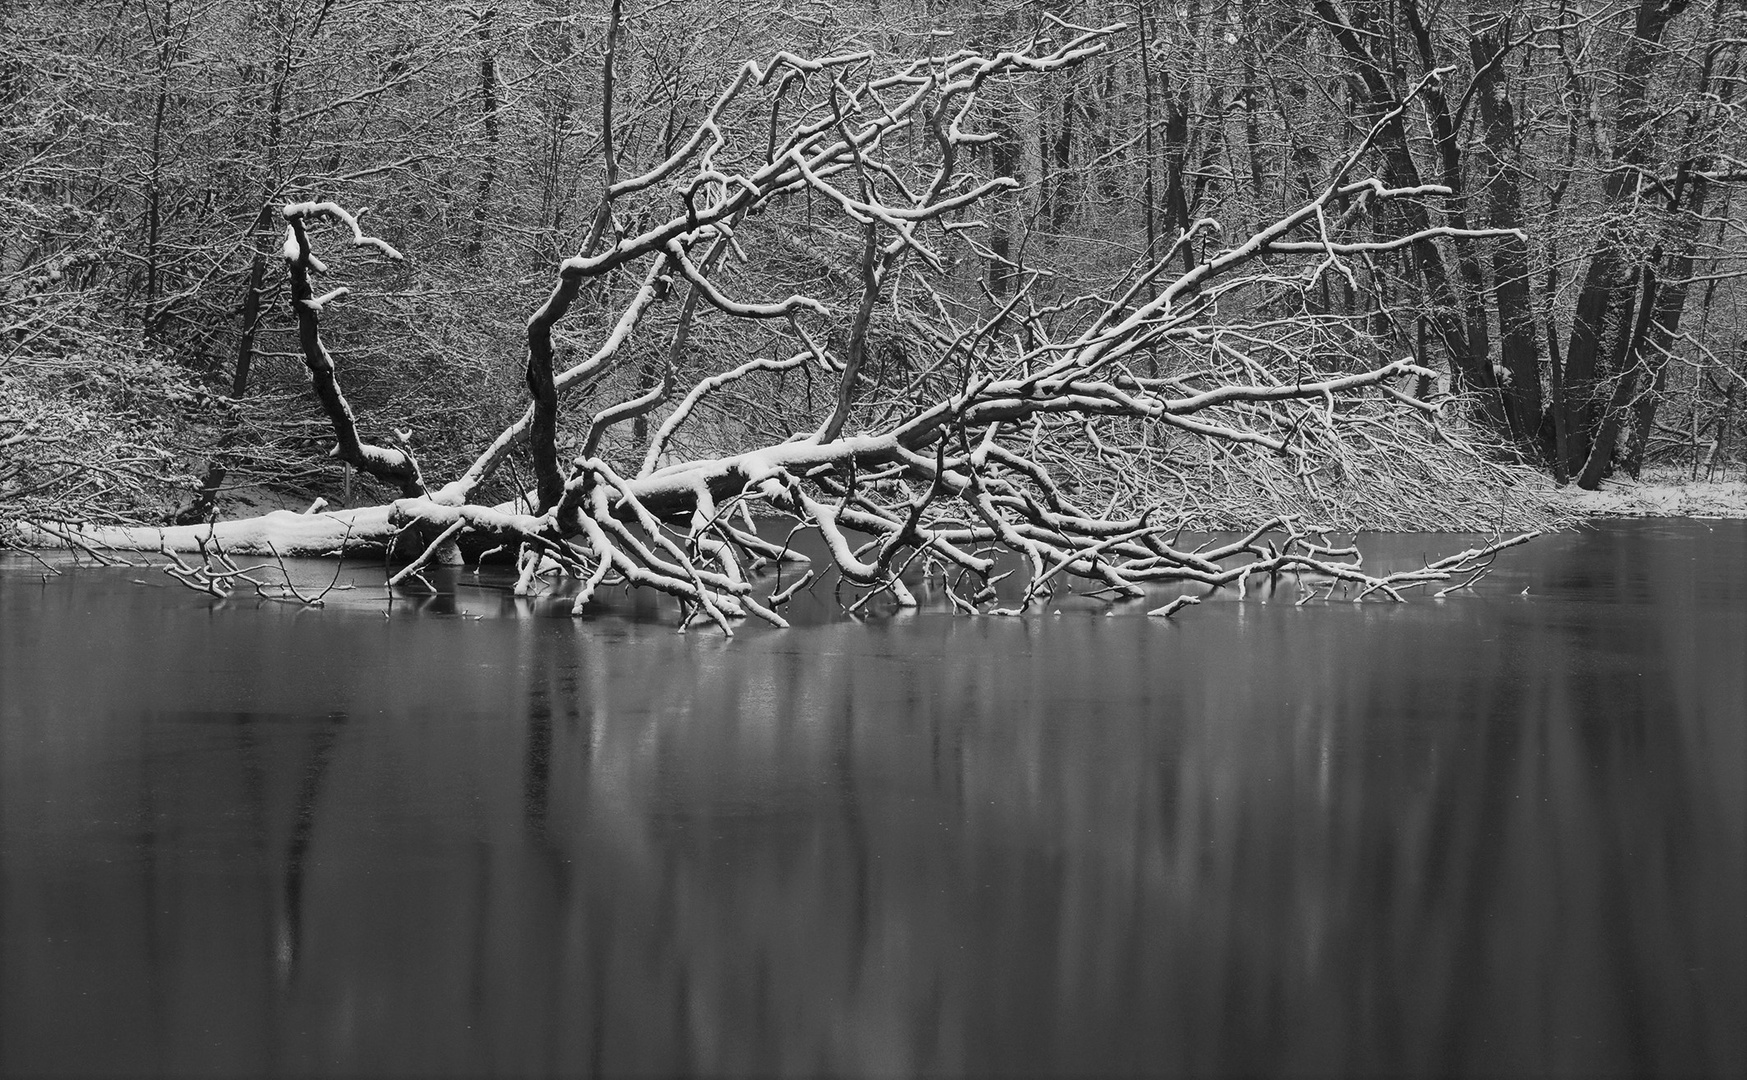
1497 834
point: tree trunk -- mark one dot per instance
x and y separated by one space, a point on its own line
1607 285
1556 379
1064 194
251 308
1176 164
1252 97
154 178
1628 361
1477 370
1665 325
1400 170
1691 181
1504 210
1148 198
1006 155
489 104
1726 422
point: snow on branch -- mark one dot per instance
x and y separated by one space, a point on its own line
305 211
396 466
950 428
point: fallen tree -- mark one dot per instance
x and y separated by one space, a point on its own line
1006 411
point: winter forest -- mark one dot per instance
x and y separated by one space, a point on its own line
609 284
864 538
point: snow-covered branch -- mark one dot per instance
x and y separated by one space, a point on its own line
949 430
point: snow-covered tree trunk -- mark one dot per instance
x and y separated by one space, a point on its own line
976 443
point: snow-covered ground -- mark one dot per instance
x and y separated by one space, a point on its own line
1658 493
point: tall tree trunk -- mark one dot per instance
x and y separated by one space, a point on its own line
489 104
251 309
1607 284
1488 39
1400 170
1179 100
1629 362
1665 327
1559 411
1478 371
1252 96
1176 164
1726 422
261 241
154 177
1148 199
1005 154
555 56
1691 182
1560 415
1056 152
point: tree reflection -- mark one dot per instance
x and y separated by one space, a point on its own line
290 932
1503 835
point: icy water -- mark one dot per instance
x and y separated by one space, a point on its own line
1500 834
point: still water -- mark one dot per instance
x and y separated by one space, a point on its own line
1502 833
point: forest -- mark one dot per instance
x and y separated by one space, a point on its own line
611 283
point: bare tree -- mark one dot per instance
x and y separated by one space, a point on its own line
920 468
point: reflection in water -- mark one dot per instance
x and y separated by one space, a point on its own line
1496 834
290 928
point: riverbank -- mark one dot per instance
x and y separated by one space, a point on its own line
1536 503
1657 493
